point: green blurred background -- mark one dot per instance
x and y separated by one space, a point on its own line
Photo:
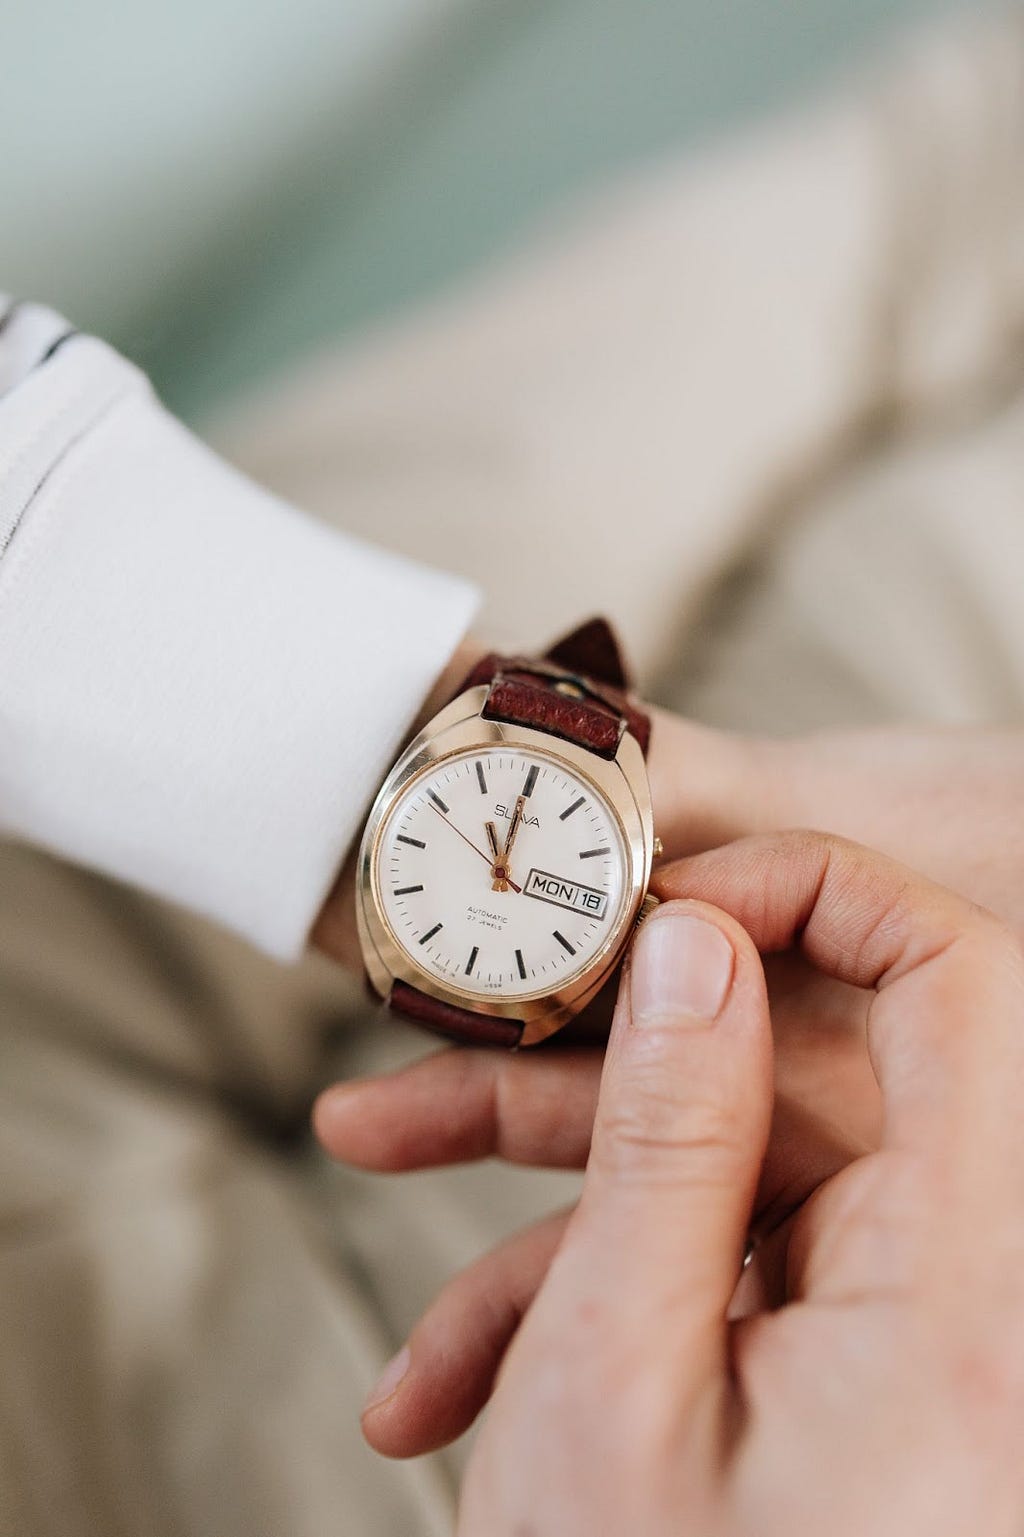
219 186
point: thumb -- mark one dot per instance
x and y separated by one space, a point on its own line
679 1138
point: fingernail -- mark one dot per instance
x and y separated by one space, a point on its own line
389 1379
682 968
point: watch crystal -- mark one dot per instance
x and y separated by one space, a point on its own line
502 872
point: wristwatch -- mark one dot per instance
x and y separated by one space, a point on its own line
508 852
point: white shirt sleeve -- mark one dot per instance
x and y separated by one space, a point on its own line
200 687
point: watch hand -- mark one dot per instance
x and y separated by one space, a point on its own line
517 818
472 845
499 870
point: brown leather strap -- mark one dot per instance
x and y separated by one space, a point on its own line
578 692
456 1024
592 649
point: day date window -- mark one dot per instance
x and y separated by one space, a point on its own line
572 895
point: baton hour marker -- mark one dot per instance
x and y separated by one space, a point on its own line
570 809
414 843
438 801
519 963
405 891
431 932
594 853
564 942
472 959
480 778
531 780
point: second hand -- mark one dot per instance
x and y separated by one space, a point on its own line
473 846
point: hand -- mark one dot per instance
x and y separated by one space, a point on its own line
946 800
887 1393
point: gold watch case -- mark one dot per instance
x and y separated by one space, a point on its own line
623 781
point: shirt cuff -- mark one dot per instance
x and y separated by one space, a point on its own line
201 687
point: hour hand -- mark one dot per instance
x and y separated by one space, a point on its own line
499 866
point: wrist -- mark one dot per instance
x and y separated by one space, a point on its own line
710 786
334 931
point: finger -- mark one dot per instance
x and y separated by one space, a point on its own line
827 1109
458 1106
652 1258
924 795
946 1031
454 1352
457 1347
538 1110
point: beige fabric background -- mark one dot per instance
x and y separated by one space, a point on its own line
769 412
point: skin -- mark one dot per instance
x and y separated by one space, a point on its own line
886 1392
885 1389
943 801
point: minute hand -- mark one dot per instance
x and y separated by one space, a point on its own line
517 819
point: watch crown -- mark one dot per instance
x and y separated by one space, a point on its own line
659 848
647 907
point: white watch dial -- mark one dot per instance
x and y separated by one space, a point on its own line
492 920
